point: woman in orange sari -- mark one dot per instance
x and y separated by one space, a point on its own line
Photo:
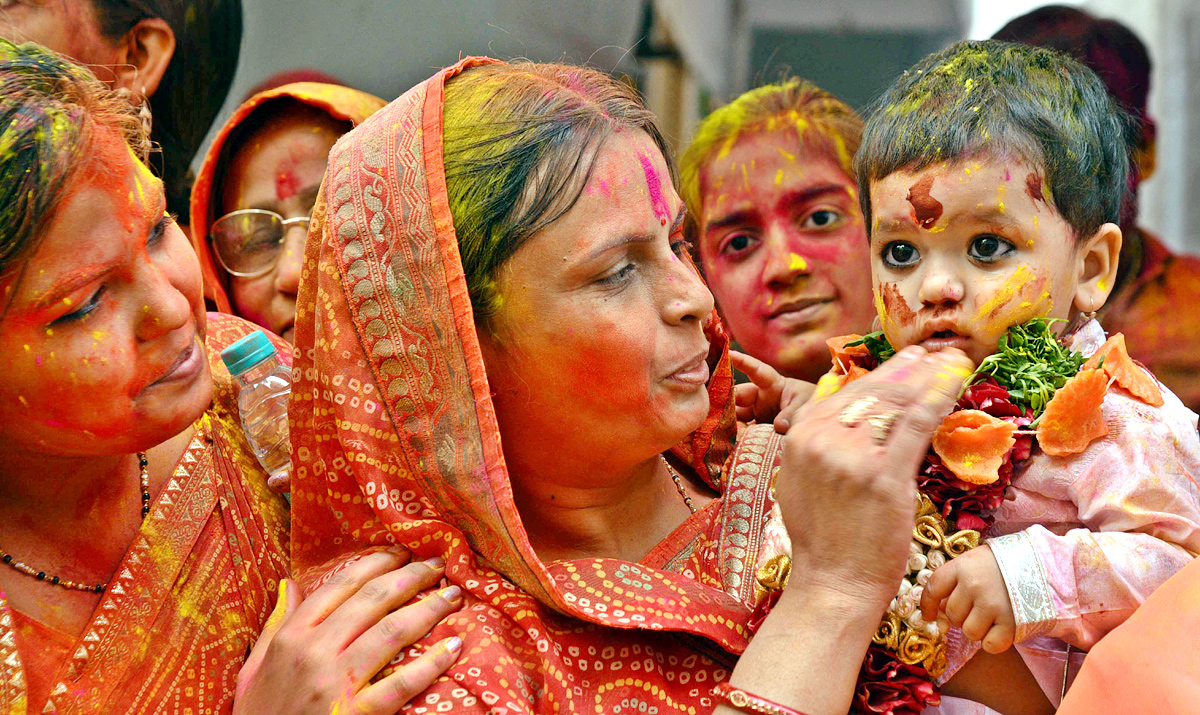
140 551
255 191
505 358
1151 662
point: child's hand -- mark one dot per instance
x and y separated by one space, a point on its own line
970 591
768 396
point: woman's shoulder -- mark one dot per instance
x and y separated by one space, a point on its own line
221 331
242 471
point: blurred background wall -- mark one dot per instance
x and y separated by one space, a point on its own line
689 56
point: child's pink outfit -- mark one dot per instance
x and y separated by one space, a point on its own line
1083 540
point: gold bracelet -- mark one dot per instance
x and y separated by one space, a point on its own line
747 702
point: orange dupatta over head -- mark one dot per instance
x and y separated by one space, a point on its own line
395 440
341 103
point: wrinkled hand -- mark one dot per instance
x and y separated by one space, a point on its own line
317 655
769 396
970 590
848 501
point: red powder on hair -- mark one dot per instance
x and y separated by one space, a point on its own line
926 210
1033 187
897 308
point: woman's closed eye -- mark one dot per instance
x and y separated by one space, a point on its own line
900 254
160 228
989 249
83 311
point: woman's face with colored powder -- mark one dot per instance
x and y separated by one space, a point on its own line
784 250
961 252
599 343
279 168
101 338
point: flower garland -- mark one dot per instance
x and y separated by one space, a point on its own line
1032 387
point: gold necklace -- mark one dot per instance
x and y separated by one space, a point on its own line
678 483
28 570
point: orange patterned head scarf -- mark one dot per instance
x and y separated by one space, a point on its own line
341 103
394 435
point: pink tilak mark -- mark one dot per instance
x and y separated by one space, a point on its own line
657 202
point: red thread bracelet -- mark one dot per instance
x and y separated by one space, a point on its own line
747 702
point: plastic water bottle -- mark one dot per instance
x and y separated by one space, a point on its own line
262 401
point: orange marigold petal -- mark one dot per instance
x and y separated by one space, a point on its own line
1120 367
1073 418
973 444
854 373
845 357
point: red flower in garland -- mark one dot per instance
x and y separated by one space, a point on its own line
887 686
968 505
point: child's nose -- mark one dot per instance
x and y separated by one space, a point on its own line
941 288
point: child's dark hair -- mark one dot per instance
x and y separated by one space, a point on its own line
1005 99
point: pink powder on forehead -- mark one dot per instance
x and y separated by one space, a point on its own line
657 202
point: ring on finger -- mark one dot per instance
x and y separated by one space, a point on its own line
881 425
856 411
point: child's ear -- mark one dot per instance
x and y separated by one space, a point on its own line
1097 266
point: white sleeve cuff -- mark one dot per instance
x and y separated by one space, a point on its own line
1025 579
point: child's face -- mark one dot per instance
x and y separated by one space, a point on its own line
960 252
100 341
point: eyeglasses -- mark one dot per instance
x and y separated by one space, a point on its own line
249 242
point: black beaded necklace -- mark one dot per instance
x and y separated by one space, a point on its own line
32 572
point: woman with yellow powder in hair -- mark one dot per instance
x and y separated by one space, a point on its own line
774 213
140 551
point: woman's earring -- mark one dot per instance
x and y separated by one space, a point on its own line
144 116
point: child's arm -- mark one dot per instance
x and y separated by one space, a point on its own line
1136 494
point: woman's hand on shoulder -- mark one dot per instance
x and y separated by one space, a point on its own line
769 396
319 654
847 483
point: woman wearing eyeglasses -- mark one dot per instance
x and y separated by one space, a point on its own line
255 191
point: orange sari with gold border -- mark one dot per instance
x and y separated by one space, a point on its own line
395 441
191 595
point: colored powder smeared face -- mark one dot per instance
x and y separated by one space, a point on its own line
279 168
599 343
784 249
100 347
994 255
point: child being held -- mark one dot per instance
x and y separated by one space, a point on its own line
991 178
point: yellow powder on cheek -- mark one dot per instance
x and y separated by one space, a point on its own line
1033 300
797 263
779 177
1018 280
884 320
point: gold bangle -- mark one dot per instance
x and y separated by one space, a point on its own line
747 702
